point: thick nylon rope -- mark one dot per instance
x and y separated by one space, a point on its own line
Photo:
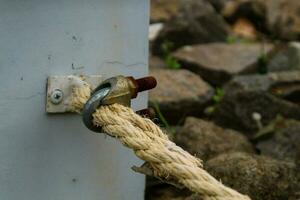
150 144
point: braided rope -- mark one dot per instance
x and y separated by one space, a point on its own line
150 144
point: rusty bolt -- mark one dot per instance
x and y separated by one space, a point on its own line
142 84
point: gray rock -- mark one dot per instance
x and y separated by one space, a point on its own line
179 93
219 5
197 22
269 95
280 139
207 140
278 18
156 63
279 84
218 62
164 10
282 18
286 57
232 9
260 177
157 190
298 159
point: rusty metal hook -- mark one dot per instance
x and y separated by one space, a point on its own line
118 89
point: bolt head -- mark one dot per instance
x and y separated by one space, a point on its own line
56 96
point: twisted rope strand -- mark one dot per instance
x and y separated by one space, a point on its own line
150 144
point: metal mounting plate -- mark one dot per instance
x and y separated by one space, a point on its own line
59 90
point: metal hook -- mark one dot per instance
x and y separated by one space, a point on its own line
117 89
91 105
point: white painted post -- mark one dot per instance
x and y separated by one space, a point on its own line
54 157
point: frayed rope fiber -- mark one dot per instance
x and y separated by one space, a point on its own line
150 144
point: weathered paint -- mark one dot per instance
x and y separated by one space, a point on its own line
54 157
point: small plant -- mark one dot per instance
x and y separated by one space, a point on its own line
262 64
170 61
231 40
167 47
263 58
162 118
217 98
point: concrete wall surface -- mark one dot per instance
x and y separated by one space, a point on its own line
54 157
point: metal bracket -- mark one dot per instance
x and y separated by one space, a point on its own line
59 90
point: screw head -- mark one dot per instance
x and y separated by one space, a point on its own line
56 96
